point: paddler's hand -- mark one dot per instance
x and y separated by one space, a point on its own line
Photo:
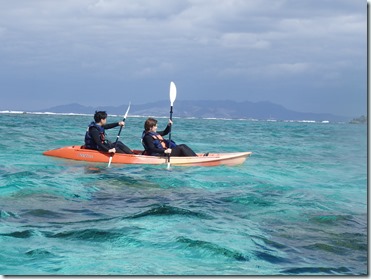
112 150
170 122
167 151
121 123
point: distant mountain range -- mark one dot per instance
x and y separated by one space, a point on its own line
205 109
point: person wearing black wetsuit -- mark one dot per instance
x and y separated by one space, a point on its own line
155 144
95 137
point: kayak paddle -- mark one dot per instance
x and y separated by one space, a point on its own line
172 100
118 135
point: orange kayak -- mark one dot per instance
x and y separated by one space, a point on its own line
81 154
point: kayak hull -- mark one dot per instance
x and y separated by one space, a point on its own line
81 154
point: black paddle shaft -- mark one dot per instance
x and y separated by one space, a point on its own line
171 118
118 135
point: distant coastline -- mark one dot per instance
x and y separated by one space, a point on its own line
140 116
229 110
205 109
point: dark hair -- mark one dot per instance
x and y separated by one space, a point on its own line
150 122
99 115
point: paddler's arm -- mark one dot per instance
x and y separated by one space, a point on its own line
113 125
167 130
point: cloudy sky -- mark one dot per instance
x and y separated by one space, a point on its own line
307 55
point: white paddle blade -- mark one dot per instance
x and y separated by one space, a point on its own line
127 111
172 93
110 160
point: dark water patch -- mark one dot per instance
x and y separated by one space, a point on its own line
94 169
269 257
82 211
317 271
268 248
249 200
39 253
331 219
86 221
160 210
326 248
20 234
352 241
7 214
42 213
269 243
166 210
126 180
20 174
95 235
213 248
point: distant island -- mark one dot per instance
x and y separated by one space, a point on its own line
360 120
206 109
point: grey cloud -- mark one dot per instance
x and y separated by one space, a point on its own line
246 43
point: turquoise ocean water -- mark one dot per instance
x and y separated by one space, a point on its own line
297 206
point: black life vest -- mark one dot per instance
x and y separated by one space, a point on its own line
89 142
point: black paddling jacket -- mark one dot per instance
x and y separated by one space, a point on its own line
95 136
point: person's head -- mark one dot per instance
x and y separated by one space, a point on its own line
100 115
150 124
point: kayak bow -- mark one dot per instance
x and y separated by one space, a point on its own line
213 159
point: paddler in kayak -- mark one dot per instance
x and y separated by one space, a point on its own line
95 137
155 144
